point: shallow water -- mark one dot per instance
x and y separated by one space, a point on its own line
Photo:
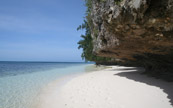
20 82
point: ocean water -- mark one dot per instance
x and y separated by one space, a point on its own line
21 82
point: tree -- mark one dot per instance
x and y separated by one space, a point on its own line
87 45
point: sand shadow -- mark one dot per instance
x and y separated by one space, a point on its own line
138 69
135 75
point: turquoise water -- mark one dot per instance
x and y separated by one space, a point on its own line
21 82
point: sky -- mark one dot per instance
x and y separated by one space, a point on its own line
40 30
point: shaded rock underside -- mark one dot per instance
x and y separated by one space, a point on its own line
138 32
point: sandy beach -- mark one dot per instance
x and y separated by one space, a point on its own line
114 87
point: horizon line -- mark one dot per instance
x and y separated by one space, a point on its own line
50 61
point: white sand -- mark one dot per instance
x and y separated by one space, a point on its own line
117 87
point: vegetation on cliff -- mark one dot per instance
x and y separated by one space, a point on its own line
87 45
133 32
86 42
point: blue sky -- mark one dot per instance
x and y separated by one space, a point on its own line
40 30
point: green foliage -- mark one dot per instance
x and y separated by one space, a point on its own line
87 45
102 0
88 4
117 2
95 31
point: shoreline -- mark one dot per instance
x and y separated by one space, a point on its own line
50 92
115 87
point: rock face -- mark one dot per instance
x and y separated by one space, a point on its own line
134 30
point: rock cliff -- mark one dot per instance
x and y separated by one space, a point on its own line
135 31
